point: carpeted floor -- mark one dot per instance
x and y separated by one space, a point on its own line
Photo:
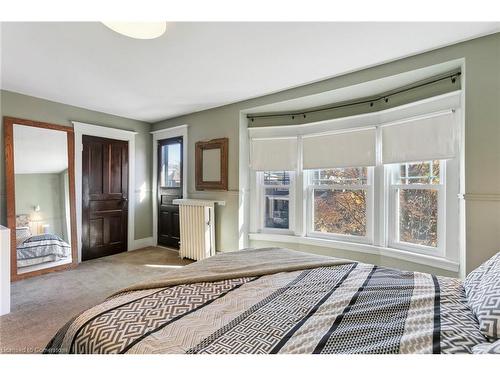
43 304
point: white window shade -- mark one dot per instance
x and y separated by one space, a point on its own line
273 154
431 138
339 150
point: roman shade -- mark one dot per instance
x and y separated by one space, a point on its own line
273 154
430 138
347 149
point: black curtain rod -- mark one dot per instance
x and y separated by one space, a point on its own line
453 78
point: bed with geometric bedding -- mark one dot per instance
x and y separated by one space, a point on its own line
41 249
279 301
36 249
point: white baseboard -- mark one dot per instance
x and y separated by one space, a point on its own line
142 243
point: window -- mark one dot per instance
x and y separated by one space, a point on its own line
417 198
382 183
170 162
340 202
276 200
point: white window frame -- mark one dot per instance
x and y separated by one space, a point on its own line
261 188
451 234
310 232
393 212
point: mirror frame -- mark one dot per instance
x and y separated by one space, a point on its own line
219 143
8 123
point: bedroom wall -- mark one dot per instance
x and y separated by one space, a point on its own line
65 205
482 140
31 108
45 190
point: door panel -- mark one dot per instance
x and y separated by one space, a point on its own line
96 232
105 197
170 182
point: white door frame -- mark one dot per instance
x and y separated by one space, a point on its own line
176 131
81 129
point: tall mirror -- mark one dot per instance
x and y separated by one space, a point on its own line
40 197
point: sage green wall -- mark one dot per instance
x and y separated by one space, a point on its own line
31 108
65 205
482 138
42 189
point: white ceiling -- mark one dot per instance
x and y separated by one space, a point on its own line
38 150
195 66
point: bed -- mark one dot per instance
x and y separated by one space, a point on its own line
276 300
37 249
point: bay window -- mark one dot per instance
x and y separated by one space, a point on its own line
387 183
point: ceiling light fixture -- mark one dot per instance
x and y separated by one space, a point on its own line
138 30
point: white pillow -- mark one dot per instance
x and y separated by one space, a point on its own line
482 288
22 234
487 348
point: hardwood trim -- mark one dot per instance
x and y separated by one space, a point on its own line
10 191
219 143
38 124
63 267
10 188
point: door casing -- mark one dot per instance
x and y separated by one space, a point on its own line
176 131
80 129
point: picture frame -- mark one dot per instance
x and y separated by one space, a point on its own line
211 164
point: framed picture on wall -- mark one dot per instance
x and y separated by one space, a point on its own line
211 164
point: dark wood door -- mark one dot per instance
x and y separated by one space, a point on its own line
170 181
105 197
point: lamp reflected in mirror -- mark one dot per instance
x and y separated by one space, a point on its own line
36 220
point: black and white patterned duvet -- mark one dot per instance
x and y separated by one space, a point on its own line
348 308
40 249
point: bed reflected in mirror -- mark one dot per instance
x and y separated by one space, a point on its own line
40 198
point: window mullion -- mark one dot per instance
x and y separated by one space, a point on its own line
299 206
379 203
379 210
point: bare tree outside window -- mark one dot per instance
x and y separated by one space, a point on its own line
418 208
340 201
342 212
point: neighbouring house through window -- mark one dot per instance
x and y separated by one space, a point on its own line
394 185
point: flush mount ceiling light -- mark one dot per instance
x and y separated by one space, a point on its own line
138 30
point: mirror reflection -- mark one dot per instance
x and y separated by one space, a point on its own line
211 164
42 200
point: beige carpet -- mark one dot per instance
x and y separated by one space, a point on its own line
43 304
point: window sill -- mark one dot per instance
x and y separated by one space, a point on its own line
428 260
